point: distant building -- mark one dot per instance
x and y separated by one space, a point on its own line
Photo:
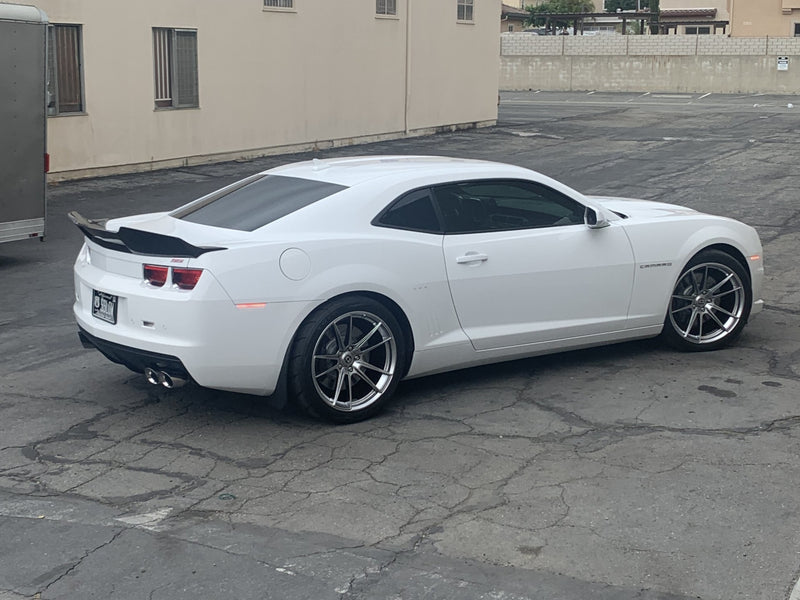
150 84
695 17
512 18
760 18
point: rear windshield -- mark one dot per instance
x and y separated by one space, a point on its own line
256 202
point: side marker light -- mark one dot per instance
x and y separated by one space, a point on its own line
246 305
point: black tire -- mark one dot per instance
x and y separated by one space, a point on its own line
710 303
346 360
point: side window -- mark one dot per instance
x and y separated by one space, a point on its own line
498 205
413 211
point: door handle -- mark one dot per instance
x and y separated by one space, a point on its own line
472 257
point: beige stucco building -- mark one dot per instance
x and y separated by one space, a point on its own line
758 18
149 84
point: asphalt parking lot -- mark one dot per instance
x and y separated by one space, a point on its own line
626 472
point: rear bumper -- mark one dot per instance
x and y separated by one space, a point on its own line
135 359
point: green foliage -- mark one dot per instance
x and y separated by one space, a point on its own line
613 5
557 6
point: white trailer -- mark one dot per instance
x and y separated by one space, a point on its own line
23 122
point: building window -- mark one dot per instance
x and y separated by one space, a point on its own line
698 30
279 3
64 70
175 64
797 30
465 10
386 7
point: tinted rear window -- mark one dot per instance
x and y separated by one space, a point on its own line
254 204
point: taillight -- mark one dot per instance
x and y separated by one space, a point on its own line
156 275
186 279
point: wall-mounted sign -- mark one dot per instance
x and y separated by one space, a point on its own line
783 63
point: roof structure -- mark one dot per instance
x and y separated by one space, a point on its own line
688 13
514 12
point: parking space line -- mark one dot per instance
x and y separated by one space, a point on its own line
795 595
704 96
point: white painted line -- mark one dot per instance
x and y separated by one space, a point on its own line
537 134
795 595
590 93
147 520
673 96
704 96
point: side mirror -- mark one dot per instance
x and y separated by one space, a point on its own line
593 219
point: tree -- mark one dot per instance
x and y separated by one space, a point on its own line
615 5
655 9
556 7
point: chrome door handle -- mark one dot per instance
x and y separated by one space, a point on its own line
471 257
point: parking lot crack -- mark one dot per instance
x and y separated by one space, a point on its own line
86 555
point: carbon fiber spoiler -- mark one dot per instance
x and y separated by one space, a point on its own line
135 241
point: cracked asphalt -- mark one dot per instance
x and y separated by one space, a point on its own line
626 472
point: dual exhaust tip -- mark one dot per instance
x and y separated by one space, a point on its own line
163 378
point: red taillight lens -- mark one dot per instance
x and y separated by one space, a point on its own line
156 275
186 279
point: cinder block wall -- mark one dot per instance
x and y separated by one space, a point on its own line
663 63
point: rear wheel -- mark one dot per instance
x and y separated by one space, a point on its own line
710 303
347 359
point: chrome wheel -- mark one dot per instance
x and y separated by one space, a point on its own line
708 303
354 361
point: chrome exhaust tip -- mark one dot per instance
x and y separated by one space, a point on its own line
163 378
152 376
170 382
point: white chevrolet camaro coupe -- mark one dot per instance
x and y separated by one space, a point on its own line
329 281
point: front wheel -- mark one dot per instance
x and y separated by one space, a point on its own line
347 360
710 303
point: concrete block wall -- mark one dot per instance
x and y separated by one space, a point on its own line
598 45
783 46
527 44
663 63
662 45
724 46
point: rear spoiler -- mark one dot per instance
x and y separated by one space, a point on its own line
136 241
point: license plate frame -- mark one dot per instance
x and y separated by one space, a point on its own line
104 306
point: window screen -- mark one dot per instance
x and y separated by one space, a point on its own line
64 89
253 205
496 205
175 68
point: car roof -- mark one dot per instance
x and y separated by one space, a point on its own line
355 170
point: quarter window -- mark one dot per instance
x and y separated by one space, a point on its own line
64 70
386 7
413 211
465 8
175 66
499 205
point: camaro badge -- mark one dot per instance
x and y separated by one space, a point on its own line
653 265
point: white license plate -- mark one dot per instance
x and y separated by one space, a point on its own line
104 306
